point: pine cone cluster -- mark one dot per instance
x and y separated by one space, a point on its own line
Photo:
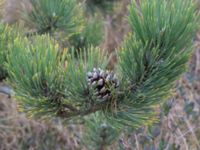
102 82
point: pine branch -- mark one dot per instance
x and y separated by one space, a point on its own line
70 107
151 59
69 111
74 113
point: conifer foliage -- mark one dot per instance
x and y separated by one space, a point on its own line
65 20
3 50
92 27
152 58
48 16
39 74
7 36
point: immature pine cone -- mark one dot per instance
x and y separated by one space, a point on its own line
102 81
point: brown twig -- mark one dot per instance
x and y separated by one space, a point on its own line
80 112
72 111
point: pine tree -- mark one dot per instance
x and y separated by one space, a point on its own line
49 83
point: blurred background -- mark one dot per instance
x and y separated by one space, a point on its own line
179 125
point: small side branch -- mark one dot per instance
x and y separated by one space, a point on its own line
74 112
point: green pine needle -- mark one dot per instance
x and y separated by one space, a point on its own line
7 36
36 72
151 60
48 16
154 57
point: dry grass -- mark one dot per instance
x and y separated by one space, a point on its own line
20 133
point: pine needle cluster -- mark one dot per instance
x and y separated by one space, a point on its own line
48 16
7 36
152 58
